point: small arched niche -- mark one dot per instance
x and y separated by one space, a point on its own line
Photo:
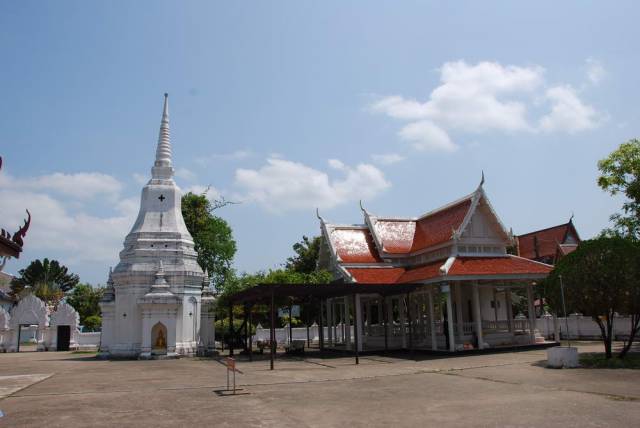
159 338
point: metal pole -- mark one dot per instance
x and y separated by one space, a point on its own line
564 308
273 330
355 330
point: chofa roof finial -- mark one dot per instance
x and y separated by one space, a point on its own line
482 179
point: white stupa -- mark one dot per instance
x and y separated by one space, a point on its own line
153 303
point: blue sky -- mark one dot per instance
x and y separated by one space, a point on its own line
286 106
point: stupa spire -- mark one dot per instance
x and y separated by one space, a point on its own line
162 166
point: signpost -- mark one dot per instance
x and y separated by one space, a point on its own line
231 367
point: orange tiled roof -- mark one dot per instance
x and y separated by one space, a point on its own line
462 266
407 236
354 245
510 265
376 275
546 240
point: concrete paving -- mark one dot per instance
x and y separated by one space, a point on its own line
505 389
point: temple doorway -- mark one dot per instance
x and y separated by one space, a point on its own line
27 338
63 338
159 338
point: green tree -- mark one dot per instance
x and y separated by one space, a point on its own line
212 236
599 279
48 279
620 174
306 258
85 299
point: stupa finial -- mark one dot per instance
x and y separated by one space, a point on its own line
163 151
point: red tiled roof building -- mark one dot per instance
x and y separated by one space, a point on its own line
456 256
548 245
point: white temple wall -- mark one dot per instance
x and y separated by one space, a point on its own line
488 312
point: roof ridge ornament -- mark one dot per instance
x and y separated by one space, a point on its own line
481 180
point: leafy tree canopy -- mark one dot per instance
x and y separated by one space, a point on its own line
212 236
48 279
85 299
306 258
620 174
598 278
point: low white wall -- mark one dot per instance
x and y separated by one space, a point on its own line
89 339
581 327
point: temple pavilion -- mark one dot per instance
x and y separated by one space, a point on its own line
458 288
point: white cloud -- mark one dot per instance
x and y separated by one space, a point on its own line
426 136
283 185
185 174
140 179
387 158
60 226
595 71
235 155
474 98
198 189
83 185
568 113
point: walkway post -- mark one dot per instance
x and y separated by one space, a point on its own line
231 332
290 324
250 339
355 331
410 323
321 331
385 314
272 329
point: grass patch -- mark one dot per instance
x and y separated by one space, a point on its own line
598 361
84 352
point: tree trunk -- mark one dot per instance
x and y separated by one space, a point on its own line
606 339
635 322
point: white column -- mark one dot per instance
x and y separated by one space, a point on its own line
459 318
477 314
507 295
495 305
432 324
357 319
347 323
532 314
452 339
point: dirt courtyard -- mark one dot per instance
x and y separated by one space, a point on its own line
63 389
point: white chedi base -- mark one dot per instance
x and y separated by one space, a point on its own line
562 357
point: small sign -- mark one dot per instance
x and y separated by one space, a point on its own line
231 364
284 312
444 288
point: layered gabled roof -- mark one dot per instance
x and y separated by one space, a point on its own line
353 244
455 268
398 236
544 243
